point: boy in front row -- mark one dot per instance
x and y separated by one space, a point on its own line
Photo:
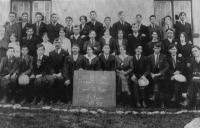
8 75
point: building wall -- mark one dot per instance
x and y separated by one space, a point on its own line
196 19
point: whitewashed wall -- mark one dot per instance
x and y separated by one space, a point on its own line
76 8
196 19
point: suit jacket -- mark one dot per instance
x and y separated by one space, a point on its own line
162 67
98 27
110 30
116 47
111 43
194 68
31 44
71 65
151 30
42 30
53 31
126 27
166 43
178 66
96 46
78 41
84 30
133 42
57 61
94 65
69 32
185 50
144 30
25 65
8 66
43 68
179 27
23 29
140 66
9 29
107 65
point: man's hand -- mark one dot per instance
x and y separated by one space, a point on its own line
7 76
32 76
133 78
177 72
67 82
38 76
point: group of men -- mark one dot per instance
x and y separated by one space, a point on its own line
38 78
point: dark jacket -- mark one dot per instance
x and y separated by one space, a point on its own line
94 65
8 66
53 31
25 65
42 30
140 66
107 65
98 27
126 28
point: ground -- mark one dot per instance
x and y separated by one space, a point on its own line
15 118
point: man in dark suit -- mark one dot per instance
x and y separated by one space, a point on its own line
8 75
72 63
76 38
136 39
41 79
121 25
142 28
92 42
39 26
177 66
157 68
57 59
53 28
153 27
107 21
23 24
183 26
30 41
24 69
95 25
69 27
106 60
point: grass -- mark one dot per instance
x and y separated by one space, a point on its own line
10 118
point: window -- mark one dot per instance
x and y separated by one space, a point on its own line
172 8
31 7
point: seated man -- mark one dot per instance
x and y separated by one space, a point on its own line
24 70
41 77
139 72
177 66
72 63
194 87
57 59
106 60
157 67
8 76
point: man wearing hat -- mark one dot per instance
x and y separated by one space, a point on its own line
24 71
8 75
194 87
139 72
157 68
177 67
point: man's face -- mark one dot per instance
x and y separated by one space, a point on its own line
38 18
75 50
57 44
106 49
24 51
24 18
138 50
40 51
107 21
167 20
29 32
154 35
12 17
10 52
156 50
92 35
54 18
139 19
76 31
93 16
68 21
122 17
196 52
173 51
170 34
153 20
183 17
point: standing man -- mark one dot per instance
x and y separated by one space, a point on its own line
183 26
69 27
108 26
53 28
122 25
153 27
95 25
